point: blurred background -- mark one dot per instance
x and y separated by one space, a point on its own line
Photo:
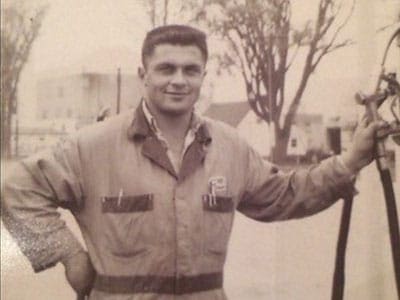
284 73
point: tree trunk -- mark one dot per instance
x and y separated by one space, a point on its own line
279 151
5 130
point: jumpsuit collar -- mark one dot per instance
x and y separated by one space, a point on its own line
140 130
143 126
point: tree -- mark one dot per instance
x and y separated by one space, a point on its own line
163 12
264 44
159 11
20 28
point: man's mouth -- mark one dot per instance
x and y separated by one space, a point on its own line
176 93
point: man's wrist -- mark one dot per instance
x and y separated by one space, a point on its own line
349 163
66 261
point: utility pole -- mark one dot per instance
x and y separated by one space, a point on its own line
119 91
16 133
16 136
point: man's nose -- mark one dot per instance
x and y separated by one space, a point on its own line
178 79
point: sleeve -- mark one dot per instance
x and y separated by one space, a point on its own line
273 195
33 190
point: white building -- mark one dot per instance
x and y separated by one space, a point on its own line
82 97
308 129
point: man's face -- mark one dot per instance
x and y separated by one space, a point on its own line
172 78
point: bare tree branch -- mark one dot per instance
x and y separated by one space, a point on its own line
165 17
17 36
330 47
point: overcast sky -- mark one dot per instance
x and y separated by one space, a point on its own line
102 35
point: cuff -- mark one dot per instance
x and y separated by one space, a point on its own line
59 246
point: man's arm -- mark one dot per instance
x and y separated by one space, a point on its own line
33 190
272 195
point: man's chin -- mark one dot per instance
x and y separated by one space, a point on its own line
178 107
176 112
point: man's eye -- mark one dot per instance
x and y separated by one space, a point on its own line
193 71
165 69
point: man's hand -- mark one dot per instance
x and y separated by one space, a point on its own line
80 273
361 151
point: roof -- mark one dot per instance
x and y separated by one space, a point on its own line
231 113
308 118
40 131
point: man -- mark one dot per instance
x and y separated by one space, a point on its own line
154 192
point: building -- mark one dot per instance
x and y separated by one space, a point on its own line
69 102
308 129
36 138
239 115
82 97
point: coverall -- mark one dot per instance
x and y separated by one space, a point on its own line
152 232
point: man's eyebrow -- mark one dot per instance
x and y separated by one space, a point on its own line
165 64
170 65
194 66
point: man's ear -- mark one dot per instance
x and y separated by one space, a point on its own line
204 73
141 72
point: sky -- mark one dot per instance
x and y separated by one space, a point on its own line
102 35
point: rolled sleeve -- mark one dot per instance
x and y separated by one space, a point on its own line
33 190
274 195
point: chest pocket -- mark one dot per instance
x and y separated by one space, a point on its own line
129 224
217 223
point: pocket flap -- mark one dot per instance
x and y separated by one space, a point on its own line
217 203
127 204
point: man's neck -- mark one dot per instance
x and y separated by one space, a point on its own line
173 127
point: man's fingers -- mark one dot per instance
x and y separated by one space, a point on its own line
376 125
363 121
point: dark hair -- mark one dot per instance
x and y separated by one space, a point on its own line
175 35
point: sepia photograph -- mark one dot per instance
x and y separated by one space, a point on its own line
200 149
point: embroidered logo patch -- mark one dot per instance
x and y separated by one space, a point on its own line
217 184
